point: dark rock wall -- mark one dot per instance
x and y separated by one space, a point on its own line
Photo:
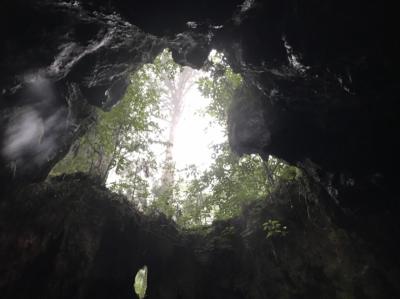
324 73
320 92
57 60
320 70
71 238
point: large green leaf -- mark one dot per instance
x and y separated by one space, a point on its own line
140 284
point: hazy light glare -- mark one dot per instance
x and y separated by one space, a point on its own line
30 138
196 133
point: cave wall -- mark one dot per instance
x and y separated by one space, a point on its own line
323 73
58 61
320 92
72 238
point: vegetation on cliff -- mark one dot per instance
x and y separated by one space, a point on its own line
127 141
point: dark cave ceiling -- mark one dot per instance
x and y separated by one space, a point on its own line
321 84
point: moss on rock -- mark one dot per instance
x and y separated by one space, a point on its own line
70 237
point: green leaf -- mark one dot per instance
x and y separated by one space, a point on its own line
140 284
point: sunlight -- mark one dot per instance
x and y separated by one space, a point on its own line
196 132
165 148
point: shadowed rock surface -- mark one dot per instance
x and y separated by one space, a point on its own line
324 74
72 238
320 92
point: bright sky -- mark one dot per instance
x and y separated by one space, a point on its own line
196 132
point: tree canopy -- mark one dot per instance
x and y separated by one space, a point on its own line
124 146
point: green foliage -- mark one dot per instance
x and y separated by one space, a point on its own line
140 284
122 142
220 86
165 200
274 228
122 139
231 181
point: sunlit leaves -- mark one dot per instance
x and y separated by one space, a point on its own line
123 141
231 181
219 85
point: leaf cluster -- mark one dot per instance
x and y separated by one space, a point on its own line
273 228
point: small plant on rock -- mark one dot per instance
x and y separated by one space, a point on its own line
273 228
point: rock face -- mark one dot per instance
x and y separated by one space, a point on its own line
321 76
58 59
72 238
320 92
324 74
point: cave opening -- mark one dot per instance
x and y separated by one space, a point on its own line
317 88
165 145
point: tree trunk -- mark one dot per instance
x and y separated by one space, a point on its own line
177 89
